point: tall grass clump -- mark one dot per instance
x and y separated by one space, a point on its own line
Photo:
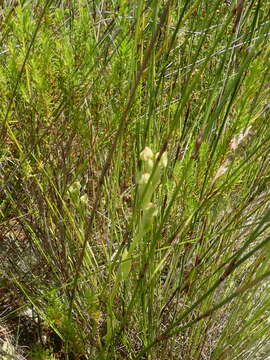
134 187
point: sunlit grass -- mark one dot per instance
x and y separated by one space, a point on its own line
124 253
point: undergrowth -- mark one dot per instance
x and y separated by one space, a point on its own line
134 189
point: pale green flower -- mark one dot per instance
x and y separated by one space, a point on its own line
163 160
146 154
143 179
74 188
84 199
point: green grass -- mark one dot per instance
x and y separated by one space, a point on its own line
124 254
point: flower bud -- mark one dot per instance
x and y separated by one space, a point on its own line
143 179
84 199
149 164
74 188
146 154
149 213
163 162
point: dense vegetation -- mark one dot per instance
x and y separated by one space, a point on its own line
134 179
